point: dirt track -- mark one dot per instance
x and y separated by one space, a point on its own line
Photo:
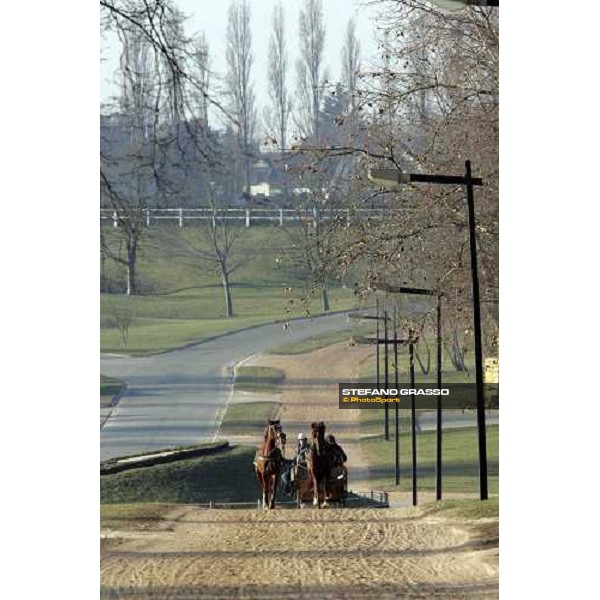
285 554
300 554
310 394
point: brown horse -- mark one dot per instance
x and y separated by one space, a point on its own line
319 463
268 462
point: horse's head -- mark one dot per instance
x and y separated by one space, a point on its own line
318 436
281 440
274 437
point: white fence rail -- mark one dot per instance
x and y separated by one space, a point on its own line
245 216
370 499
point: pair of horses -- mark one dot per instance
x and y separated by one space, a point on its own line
270 461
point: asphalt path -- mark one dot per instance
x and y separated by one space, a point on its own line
179 397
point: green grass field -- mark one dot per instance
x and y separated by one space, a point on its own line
224 477
352 334
248 418
467 508
258 379
182 301
459 460
371 420
117 516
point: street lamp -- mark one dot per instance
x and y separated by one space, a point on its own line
391 178
358 315
454 5
424 292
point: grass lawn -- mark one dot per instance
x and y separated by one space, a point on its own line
312 343
449 373
467 509
117 516
224 477
322 340
459 460
255 379
162 323
372 420
182 301
248 418
151 336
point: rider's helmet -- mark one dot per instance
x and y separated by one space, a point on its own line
301 436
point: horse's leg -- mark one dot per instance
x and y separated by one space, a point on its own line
325 491
326 473
315 490
259 479
263 485
274 482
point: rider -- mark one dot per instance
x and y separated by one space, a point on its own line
339 456
301 449
300 458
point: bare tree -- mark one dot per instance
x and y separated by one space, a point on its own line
202 59
160 24
122 318
310 68
213 250
429 106
351 63
127 148
240 89
154 123
280 101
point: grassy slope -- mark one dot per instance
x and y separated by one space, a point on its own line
372 420
467 509
248 418
224 477
459 459
258 379
118 516
351 333
183 303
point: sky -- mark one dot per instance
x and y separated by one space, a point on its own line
211 17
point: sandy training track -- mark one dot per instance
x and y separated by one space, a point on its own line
285 554
310 393
346 554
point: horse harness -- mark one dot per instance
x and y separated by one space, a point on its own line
276 454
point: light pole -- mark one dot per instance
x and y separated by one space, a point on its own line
386 379
413 412
395 289
391 178
396 415
378 340
397 342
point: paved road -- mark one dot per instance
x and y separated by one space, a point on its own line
178 398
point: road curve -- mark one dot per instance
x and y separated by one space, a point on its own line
177 398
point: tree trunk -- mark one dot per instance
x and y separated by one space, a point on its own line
131 265
227 292
103 285
325 298
424 368
247 174
456 354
